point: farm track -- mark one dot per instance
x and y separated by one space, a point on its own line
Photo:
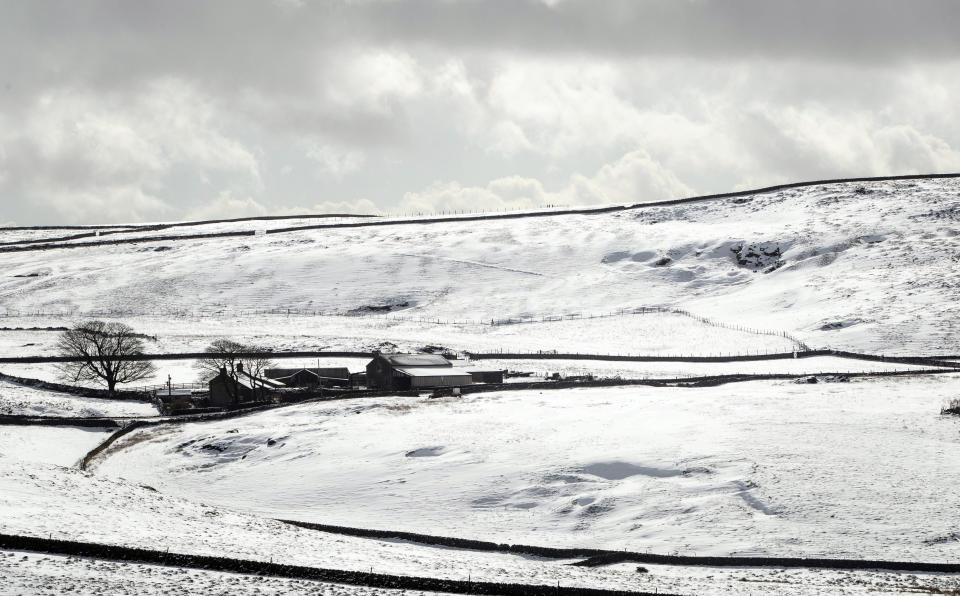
130 423
936 366
55 243
280 570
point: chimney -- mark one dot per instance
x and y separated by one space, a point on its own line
223 371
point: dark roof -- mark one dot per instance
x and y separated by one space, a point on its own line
407 360
329 373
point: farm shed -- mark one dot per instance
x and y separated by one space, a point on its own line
479 373
484 375
174 400
228 391
310 377
414 371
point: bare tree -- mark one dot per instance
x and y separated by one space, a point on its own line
225 354
99 349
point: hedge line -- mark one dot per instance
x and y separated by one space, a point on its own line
110 440
938 361
613 557
15 420
74 389
599 557
92 231
246 566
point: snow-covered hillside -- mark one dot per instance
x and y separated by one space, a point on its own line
40 499
856 469
859 469
860 266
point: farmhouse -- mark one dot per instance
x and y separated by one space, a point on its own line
414 371
230 391
310 377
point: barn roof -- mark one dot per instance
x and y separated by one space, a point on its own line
340 372
407 360
251 382
474 367
433 371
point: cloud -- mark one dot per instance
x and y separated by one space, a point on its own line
633 178
154 110
109 157
359 207
225 205
499 195
338 162
106 204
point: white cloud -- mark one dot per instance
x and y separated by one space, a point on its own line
501 194
94 157
225 205
375 80
560 106
633 178
359 207
115 204
335 161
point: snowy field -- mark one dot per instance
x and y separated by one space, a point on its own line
652 333
860 470
60 445
868 272
46 500
32 573
28 401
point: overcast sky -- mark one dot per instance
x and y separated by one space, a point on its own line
143 111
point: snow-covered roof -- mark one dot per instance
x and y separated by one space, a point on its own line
173 392
250 382
415 359
433 371
340 372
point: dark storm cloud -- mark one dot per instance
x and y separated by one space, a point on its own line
246 41
860 30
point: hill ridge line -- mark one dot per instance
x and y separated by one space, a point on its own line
26 246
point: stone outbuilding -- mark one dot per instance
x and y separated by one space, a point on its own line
401 372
